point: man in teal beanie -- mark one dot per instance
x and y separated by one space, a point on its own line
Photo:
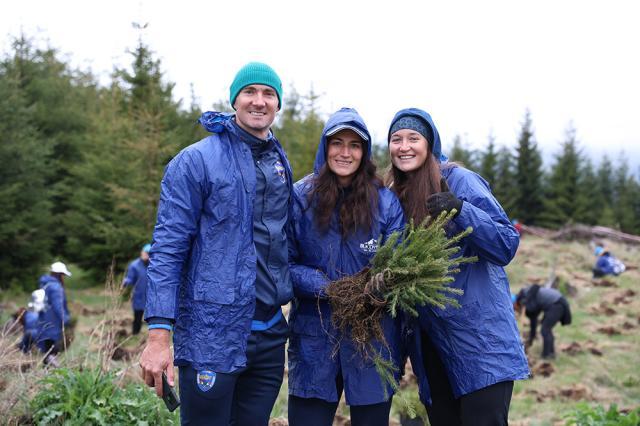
255 73
219 272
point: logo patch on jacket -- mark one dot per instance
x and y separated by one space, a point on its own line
280 171
370 246
205 380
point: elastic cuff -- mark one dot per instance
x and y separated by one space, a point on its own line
162 326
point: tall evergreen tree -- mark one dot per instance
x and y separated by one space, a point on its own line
623 205
561 198
59 98
136 130
460 154
528 175
504 186
299 129
605 192
589 203
25 223
489 162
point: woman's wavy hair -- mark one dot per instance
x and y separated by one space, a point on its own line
357 204
413 188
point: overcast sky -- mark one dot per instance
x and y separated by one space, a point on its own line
476 66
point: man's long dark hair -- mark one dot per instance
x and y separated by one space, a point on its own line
358 203
413 188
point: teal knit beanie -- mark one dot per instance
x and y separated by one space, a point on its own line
255 73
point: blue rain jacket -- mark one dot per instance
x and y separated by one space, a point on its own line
478 343
203 261
316 258
137 277
56 313
31 323
609 265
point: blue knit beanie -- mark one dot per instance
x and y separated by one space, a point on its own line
413 122
255 73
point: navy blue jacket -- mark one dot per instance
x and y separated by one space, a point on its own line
56 313
137 277
607 264
31 323
478 343
318 258
203 260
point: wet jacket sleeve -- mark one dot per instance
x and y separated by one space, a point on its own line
179 210
131 275
493 238
307 282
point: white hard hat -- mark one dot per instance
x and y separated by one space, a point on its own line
60 268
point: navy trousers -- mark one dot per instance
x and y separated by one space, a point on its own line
318 412
244 397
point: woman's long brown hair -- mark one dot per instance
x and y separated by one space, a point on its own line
358 203
413 188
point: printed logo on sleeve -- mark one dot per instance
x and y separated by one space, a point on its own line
205 380
370 246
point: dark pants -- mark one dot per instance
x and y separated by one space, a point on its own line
485 407
137 321
244 397
318 412
551 317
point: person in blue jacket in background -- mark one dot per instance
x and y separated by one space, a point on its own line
219 269
30 319
137 278
606 263
466 359
340 211
55 316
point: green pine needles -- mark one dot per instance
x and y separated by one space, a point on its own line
407 272
415 270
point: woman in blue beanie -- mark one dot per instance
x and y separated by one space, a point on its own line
466 359
339 213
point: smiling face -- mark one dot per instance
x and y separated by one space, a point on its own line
256 106
344 155
408 150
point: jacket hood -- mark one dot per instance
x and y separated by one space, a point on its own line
214 121
349 118
436 147
46 279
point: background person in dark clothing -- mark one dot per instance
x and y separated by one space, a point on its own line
137 278
535 299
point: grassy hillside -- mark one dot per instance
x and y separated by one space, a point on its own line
598 355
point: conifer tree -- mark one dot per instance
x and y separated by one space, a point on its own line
299 129
136 130
561 198
504 186
589 202
605 192
623 205
489 162
58 98
460 154
528 175
25 224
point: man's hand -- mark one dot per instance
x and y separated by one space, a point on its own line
156 358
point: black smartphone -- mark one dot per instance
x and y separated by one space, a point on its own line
169 395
